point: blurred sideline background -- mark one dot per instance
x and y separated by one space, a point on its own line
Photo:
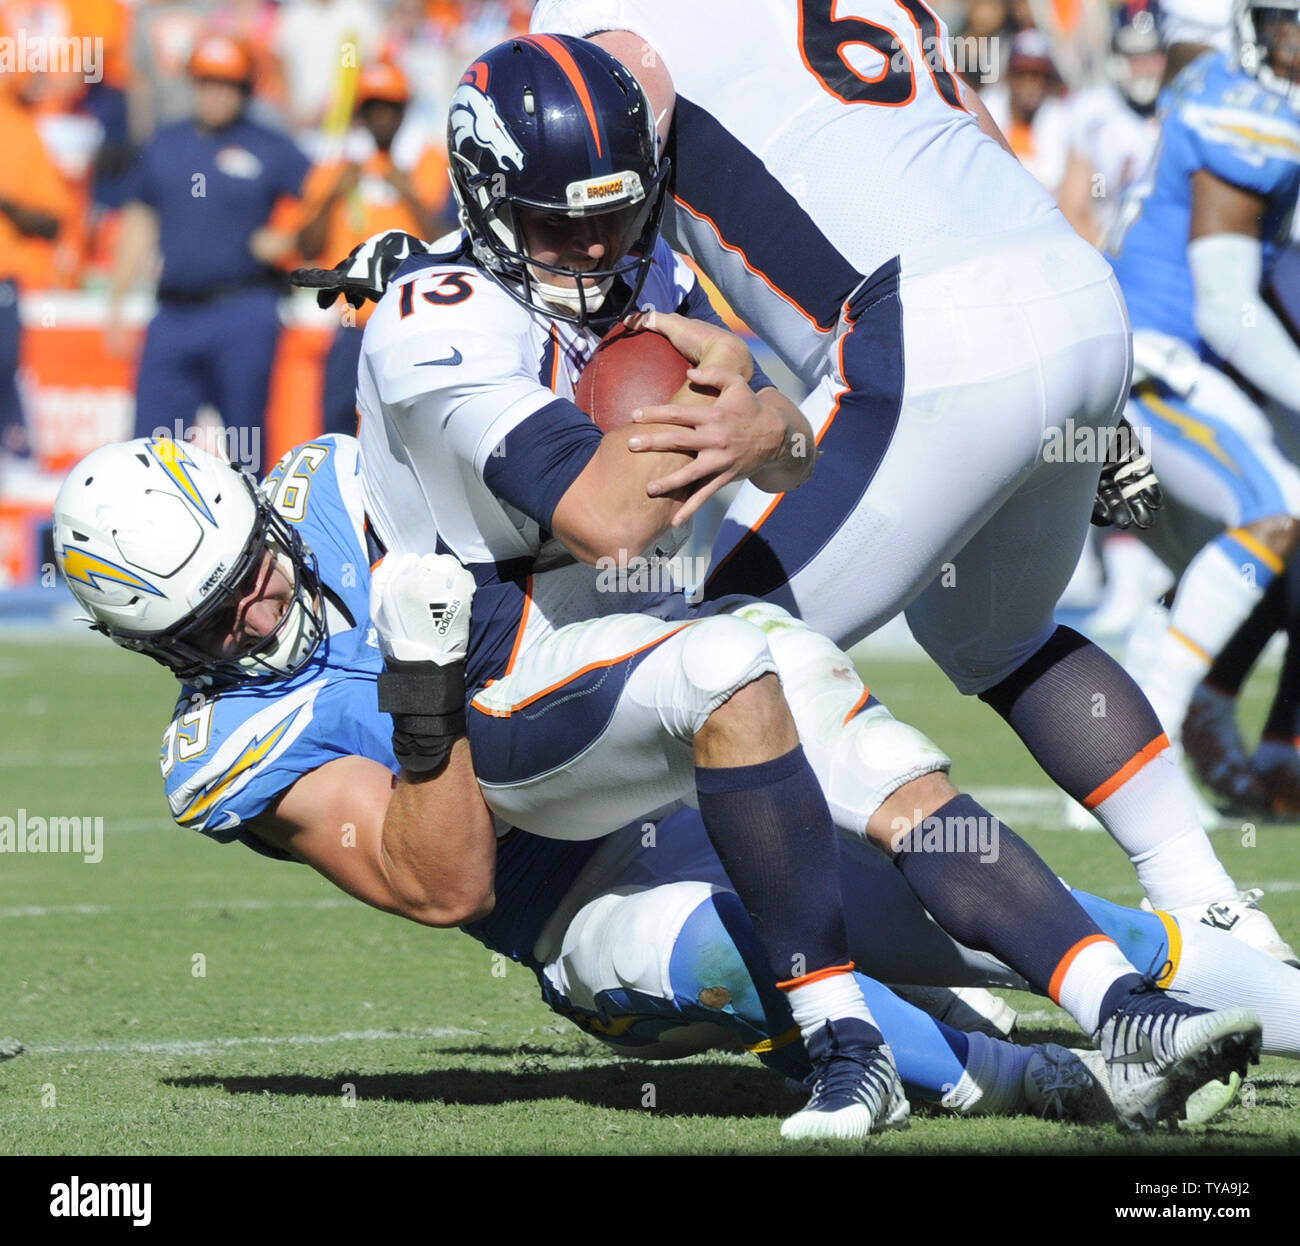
76 376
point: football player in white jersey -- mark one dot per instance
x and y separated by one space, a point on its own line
1113 126
580 714
969 356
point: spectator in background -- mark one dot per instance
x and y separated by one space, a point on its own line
997 21
256 24
163 36
318 41
418 39
344 202
1028 110
34 203
202 193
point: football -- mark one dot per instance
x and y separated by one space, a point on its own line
631 368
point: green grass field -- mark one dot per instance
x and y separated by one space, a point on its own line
319 1026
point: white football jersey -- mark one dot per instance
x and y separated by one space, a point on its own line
450 365
815 143
1115 140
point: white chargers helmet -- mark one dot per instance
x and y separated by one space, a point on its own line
158 539
1261 28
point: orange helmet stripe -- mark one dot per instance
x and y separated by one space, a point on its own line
477 75
560 54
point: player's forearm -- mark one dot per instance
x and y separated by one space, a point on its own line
970 97
1235 321
438 845
1075 200
606 512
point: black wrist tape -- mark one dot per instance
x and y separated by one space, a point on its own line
427 704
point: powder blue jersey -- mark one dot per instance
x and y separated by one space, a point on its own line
229 753
1217 118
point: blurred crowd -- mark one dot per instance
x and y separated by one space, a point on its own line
93 120
93 123
197 150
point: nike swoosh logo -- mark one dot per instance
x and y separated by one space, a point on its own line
1144 1053
450 362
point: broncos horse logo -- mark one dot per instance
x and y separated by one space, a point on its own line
474 116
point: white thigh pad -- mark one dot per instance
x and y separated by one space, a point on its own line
700 668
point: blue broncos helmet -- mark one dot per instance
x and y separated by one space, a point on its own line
556 124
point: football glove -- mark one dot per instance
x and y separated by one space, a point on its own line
420 607
366 271
1128 494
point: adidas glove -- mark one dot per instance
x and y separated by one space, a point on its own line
1128 494
366 272
420 606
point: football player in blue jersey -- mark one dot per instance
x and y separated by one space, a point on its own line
1196 235
260 603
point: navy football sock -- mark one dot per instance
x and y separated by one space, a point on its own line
991 891
1283 721
772 830
1241 653
1078 711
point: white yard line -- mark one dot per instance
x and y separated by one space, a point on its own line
78 757
61 910
186 1046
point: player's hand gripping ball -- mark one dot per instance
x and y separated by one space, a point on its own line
631 368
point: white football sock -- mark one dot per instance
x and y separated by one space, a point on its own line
1091 968
1152 816
827 999
1215 596
1214 970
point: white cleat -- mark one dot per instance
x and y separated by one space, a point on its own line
856 1091
1091 1106
1243 919
1159 1051
966 1008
